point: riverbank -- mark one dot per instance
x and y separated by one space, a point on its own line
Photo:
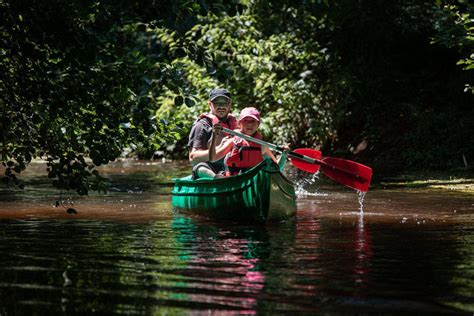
163 171
460 180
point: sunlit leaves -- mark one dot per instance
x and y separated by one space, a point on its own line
455 26
83 80
100 79
262 68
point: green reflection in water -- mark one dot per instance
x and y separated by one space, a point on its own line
410 254
463 278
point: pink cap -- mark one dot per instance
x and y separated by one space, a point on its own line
249 112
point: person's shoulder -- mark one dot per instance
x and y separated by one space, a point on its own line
201 127
204 121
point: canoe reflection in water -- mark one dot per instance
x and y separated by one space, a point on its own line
224 264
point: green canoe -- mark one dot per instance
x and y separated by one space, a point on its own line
259 195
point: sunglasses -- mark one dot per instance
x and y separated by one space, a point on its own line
221 103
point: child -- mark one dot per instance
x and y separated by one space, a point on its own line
240 154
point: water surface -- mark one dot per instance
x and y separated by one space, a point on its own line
410 251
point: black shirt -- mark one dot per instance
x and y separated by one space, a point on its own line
200 137
200 134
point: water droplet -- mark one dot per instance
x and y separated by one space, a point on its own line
361 196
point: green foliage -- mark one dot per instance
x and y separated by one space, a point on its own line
79 82
456 30
82 82
341 75
283 74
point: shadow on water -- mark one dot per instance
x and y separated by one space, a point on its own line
410 252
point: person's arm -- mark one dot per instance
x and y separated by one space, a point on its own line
224 147
198 138
212 146
197 155
267 152
218 152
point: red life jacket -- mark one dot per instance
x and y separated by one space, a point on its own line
230 122
243 156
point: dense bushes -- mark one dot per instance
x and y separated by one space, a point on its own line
376 82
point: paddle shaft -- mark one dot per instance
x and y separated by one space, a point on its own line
255 140
293 154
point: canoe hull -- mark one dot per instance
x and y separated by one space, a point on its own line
260 195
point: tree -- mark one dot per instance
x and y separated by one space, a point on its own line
79 81
455 29
350 75
374 82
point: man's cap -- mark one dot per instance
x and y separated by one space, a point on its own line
249 112
215 93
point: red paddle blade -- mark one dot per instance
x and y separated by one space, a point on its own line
307 166
349 173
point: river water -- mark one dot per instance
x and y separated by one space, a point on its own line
409 251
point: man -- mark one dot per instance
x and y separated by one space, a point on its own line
220 104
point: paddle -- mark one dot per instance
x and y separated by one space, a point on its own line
349 173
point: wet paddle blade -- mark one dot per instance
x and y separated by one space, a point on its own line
349 173
307 166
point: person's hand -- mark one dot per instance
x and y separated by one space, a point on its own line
227 139
217 129
286 148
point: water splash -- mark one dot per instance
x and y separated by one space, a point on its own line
361 197
304 181
360 223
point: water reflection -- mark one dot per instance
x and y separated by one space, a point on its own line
223 267
128 253
363 250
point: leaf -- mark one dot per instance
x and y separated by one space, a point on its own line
178 100
147 80
189 102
